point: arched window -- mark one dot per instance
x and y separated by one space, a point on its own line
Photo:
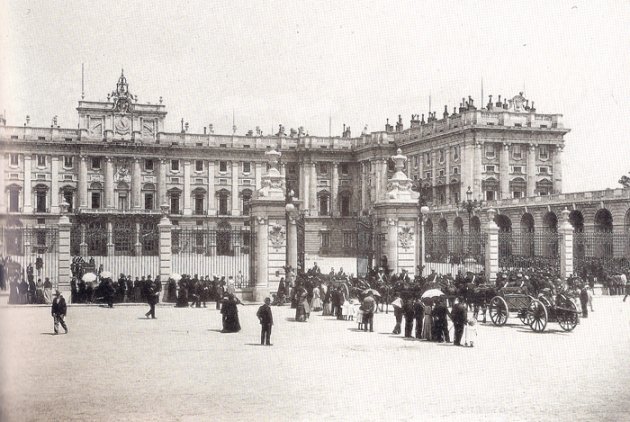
518 187
41 198
224 199
122 190
96 193
199 198
544 187
14 198
148 191
323 198
345 198
490 187
175 194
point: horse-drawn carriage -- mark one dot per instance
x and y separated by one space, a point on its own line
534 312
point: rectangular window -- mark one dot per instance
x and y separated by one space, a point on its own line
490 152
96 163
96 200
174 204
41 160
199 165
14 200
14 160
489 195
199 200
544 152
441 156
441 172
344 169
247 167
455 170
517 194
325 240
174 165
427 157
148 201
490 169
456 152
67 161
543 170
347 240
148 165
427 175
323 168
516 152
222 166
518 169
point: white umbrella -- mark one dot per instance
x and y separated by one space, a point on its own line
89 277
432 293
106 274
176 277
397 303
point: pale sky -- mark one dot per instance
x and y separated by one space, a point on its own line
360 62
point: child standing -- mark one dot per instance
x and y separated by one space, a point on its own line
470 333
266 321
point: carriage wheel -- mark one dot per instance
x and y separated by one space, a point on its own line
524 317
537 313
568 319
498 311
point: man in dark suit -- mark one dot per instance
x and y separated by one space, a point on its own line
153 289
459 315
266 321
409 313
440 323
418 312
58 312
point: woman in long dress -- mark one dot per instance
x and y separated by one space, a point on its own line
427 325
229 311
316 303
302 309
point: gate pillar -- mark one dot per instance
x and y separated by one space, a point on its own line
166 253
63 252
292 239
566 246
269 213
492 247
397 213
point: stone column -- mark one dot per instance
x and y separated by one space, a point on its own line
261 287
136 185
383 178
334 190
235 208
187 209
467 157
162 184
211 190
63 252
83 251
259 173
110 239
504 171
109 183
166 266
434 176
138 245
531 170
312 190
54 184
565 232
492 247
447 172
292 242
3 193
83 182
364 186
392 244
477 170
557 169
304 189
27 208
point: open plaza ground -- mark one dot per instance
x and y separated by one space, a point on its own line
116 365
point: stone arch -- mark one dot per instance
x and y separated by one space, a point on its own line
504 223
527 234
550 222
96 186
603 221
428 225
527 223
549 238
475 224
577 220
458 224
443 225
149 187
122 186
224 238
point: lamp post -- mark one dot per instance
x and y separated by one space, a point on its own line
470 205
424 211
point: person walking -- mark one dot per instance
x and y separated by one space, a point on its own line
459 315
584 301
418 312
369 306
229 312
58 311
266 321
153 296
398 314
440 313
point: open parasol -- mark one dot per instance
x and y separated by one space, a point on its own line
432 293
106 274
176 277
89 277
374 292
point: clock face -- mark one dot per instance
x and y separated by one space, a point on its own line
122 125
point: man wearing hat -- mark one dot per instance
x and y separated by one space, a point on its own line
58 311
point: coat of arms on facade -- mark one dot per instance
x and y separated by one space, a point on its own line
405 237
122 173
276 235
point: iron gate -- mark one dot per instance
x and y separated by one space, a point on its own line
365 246
34 246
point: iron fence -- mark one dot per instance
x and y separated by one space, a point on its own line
212 252
601 245
529 249
31 246
451 252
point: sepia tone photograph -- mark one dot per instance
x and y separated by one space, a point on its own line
306 211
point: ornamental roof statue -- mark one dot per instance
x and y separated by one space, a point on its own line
121 96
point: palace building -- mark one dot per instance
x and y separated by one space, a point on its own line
119 170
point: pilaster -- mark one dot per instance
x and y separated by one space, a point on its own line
531 170
136 185
211 189
83 182
334 190
492 247
109 183
235 197
27 208
54 184
187 197
504 169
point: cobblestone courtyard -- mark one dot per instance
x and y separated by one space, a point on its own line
116 365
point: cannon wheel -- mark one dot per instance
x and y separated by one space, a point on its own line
523 315
498 311
538 316
568 319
